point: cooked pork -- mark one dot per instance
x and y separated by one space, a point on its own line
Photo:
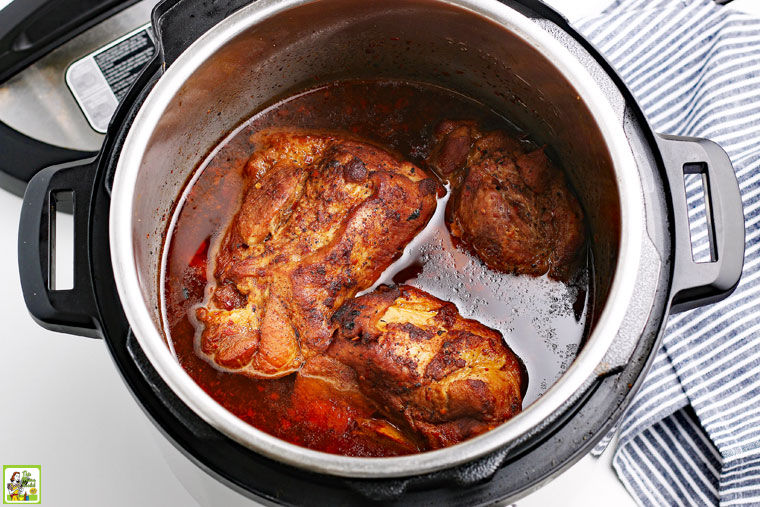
513 209
321 218
436 375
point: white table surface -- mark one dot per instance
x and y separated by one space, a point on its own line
65 407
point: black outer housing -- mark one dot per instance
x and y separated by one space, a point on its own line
504 475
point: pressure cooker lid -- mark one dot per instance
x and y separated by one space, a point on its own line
29 30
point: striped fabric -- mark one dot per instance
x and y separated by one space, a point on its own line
692 434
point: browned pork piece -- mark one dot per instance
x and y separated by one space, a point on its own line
439 377
513 209
321 218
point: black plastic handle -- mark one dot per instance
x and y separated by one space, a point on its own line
29 29
179 23
70 311
701 283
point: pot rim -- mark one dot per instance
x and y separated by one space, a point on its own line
570 383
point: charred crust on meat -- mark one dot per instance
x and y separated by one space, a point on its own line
414 215
355 171
447 315
415 333
429 186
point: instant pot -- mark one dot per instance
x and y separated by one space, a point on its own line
217 62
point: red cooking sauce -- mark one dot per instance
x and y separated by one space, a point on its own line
399 116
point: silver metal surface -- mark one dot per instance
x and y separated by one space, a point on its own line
89 84
36 102
482 48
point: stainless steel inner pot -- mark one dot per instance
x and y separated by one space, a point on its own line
482 48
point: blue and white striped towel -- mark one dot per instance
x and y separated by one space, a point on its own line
692 434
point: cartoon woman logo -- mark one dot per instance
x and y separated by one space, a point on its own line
15 488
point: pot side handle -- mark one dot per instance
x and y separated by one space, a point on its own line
73 310
702 283
179 23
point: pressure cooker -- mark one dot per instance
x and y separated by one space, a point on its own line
218 62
